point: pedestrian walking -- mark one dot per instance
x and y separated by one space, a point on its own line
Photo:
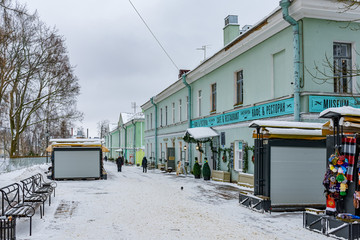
144 164
119 163
105 158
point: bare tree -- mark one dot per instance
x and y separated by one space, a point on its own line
37 81
103 128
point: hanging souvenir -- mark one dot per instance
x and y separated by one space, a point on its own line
356 199
330 204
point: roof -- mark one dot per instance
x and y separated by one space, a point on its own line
340 111
201 132
288 129
285 124
76 140
127 117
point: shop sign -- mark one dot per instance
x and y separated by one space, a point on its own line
320 103
274 109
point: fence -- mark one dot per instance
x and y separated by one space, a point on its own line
12 164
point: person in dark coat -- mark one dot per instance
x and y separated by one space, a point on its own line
105 158
119 163
144 164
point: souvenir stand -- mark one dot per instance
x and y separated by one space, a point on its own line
341 182
288 160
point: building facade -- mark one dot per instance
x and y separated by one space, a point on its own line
291 65
127 138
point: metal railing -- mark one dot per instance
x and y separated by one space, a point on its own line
12 164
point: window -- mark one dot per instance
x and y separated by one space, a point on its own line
239 88
151 121
166 116
342 68
238 156
161 117
173 113
147 122
199 103
187 107
180 106
213 97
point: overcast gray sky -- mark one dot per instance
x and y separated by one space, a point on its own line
118 61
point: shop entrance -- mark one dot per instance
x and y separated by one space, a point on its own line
170 159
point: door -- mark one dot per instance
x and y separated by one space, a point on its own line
171 158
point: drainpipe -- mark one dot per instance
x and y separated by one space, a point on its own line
134 143
111 146
189 114
119 129
125 144
284 4
156 136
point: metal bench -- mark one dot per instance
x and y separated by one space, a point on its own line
12 203
29 195
40 186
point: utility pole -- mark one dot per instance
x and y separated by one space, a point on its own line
134 106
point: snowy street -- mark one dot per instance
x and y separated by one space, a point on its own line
136 205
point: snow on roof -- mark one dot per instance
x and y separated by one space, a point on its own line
75 140
127 117
201 132
340 111
292 131
285 124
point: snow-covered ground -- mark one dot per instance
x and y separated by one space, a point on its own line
136 205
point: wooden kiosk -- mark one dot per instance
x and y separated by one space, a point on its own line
289 160
76 159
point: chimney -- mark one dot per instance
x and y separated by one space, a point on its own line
182 71
231 29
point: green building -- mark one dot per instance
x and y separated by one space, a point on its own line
291 65
127 138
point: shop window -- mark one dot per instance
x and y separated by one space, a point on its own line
239 155
342 68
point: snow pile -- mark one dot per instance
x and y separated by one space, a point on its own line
136 205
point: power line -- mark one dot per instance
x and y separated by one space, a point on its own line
154 35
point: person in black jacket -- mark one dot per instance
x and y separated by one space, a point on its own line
119 163
144 164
